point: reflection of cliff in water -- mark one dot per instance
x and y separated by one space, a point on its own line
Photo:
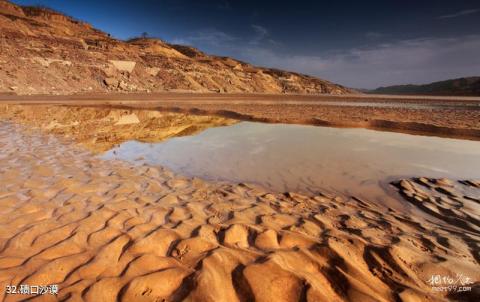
100 129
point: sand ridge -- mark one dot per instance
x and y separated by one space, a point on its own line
110 231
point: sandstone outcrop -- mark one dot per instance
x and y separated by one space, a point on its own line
46 52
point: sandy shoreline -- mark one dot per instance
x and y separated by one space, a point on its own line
100 130
447 117
110 231
143 169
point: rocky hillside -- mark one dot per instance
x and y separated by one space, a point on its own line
46 52
457 87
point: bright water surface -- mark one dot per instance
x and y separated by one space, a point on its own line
308 158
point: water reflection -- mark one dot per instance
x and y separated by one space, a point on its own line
308 158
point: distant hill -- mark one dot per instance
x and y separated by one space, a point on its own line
458 87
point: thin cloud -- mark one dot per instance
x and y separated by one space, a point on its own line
209 37
407 61
260 30
218 41
260 34
460 13
420 60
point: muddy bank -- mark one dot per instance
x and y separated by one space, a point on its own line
441 123
444 117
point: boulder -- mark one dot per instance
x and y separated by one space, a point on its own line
111 82
127 66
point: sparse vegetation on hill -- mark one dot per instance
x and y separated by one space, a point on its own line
47 52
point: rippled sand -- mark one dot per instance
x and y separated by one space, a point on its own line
110 231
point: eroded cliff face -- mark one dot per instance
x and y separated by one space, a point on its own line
45 52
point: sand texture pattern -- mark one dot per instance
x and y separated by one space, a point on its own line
108 231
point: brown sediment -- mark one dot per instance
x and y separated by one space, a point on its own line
444 117
109 231
349 117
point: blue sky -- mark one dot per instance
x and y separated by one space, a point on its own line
362 44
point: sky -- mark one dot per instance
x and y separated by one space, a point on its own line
359 44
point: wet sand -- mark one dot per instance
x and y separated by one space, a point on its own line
111 231
457 117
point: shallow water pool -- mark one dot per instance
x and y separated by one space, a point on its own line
307 158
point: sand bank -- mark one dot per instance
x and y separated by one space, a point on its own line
110 231
439 116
